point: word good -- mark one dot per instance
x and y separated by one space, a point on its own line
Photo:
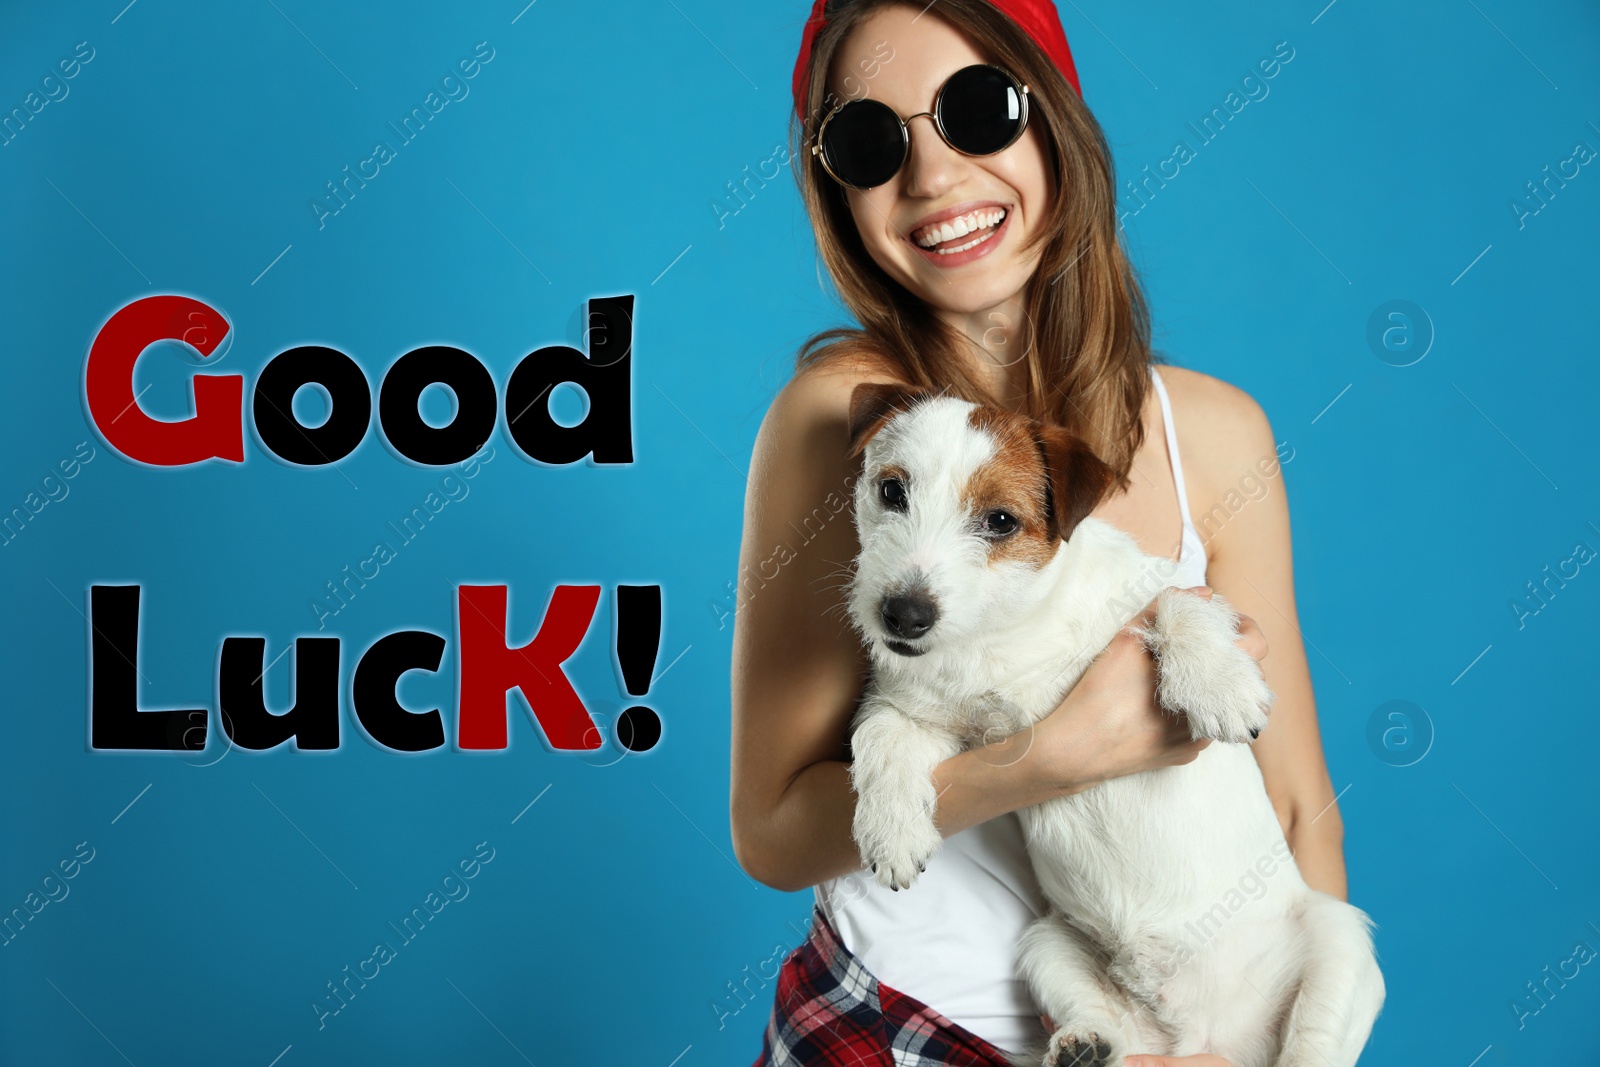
216 429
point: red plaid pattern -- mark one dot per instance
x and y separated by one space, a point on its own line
829 1011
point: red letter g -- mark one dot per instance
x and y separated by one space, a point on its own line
217 427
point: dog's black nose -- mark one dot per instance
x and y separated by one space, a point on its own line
909 615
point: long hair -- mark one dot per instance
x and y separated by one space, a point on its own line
1089 354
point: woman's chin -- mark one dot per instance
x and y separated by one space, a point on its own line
969 296
967 290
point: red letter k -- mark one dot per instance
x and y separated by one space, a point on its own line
490 667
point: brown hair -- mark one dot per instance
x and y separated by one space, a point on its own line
1087 364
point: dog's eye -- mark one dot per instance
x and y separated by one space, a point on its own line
892 491
1000 523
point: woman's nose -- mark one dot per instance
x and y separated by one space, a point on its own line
931 164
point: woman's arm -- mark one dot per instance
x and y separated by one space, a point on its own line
1244 521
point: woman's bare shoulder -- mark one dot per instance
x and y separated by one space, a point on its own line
830 378
1210 396
800 463
1222 430
816 400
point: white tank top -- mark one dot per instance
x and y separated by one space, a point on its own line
950 940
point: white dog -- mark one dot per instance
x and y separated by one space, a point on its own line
984 591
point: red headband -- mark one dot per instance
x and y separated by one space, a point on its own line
1038 19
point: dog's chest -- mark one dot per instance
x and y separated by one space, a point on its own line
1025 685
986 719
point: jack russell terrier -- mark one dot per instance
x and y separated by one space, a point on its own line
984 591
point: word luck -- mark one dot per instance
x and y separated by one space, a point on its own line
488 667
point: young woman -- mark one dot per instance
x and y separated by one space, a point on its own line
1029 302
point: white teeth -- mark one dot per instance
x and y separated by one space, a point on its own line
975 242
950 229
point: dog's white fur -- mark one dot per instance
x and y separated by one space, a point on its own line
1178 922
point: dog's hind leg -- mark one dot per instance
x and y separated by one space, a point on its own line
1202 673
1341 989
892 774
1095 1025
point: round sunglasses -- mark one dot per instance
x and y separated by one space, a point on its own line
979 111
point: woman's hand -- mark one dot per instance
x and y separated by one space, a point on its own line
1110 725
1203 1060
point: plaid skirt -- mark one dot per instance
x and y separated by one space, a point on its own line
829 1010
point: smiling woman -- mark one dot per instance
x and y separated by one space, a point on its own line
966 212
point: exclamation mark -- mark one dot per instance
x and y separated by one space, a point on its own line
638 641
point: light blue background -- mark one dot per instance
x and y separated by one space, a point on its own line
585 162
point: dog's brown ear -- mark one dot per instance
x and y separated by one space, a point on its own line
874 403
1077 478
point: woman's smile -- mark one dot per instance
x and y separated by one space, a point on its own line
961 234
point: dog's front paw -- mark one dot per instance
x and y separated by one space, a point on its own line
1234 701
1202 673
1079 1047
895 843
1231 702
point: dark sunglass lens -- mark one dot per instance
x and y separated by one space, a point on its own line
864 143
981 109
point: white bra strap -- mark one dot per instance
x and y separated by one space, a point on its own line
1172 447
